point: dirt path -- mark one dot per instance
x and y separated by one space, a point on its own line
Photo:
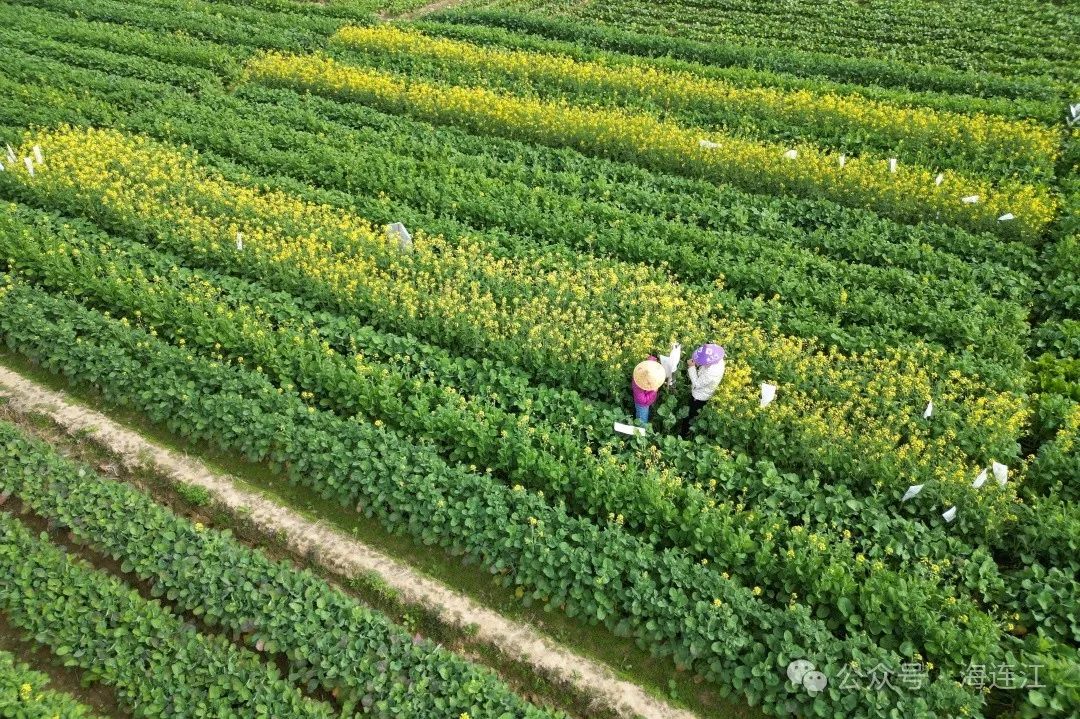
344 555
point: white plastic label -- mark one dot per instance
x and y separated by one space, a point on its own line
949 514
29 165
629 429
1001 473
240 240
970 199
1006 217
892 164
38 157
768 393
939 179
929 410
10 155
843 160
791 154
708 144
980 480
912 491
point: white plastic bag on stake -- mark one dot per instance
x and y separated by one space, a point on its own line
1 167
929 410
708 144
949 514
791 154
768 393
843 160
670 363
239 240
912 491
939 179
1006 217
38 157
11 155
29 165
397 230
892 164
1001 473
980 480
970 199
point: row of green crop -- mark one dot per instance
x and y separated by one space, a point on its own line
151 658
863 70
850 302
974 143
321 254
370 666
24 694
1030 39
244 28
908 193
1042 111
674 606
149 290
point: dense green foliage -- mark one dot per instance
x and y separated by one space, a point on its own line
202 242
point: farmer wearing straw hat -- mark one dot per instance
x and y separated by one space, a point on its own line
648 376
706 370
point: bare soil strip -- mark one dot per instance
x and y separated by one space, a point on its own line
344 555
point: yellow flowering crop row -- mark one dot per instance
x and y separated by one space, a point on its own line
910 194
577 321
975 135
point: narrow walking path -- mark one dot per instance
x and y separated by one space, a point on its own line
342 554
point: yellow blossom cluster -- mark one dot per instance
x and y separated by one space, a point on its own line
908 194
974 134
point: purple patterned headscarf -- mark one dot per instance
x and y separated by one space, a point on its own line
706 355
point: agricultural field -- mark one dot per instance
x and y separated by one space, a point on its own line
873 207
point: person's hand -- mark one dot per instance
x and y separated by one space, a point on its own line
691 363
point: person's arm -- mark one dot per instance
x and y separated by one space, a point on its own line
692 373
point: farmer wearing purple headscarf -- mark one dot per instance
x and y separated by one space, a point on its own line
706 370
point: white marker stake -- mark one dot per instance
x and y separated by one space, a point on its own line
29 165
970 199
949 514
791 154
240 241
912 491
1075 109
1 167
38 157
768 393
843 160
1006 217
629 429
939 179
10 155
892 164
980 480
929 410
1001 473
708 144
